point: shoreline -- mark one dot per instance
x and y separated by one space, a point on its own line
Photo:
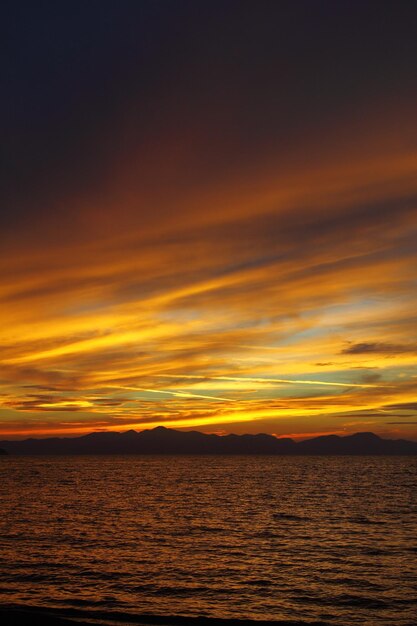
10 616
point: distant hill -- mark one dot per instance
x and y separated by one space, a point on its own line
162 440
2 451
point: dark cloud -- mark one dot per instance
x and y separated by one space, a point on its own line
371 377
406 406
378 348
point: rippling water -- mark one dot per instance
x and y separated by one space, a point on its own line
316 538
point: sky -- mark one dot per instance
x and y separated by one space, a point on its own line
208 217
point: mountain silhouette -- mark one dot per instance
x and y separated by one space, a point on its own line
2 451
162 440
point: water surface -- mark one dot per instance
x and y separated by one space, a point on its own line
328 539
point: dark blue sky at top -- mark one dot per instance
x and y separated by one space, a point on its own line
248 75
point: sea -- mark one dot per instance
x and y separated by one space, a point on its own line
119 539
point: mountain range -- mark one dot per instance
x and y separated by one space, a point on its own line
162 440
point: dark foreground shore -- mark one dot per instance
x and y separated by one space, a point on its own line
12 617
38 617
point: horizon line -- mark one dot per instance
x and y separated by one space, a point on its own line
291 436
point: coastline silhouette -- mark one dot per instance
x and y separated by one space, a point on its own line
161 440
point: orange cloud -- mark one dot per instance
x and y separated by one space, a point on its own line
248 299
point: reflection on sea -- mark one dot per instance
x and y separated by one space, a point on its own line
263 538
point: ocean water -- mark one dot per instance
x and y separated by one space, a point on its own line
310 539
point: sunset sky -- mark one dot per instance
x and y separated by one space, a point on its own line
209 217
